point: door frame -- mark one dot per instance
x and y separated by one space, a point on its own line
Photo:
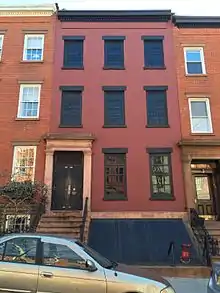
210 176
60 161
69 142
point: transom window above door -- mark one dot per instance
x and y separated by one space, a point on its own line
29 101
33 48
200 115
194 61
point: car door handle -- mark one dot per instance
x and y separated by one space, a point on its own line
46 274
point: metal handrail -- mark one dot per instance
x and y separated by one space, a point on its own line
84 217
208 243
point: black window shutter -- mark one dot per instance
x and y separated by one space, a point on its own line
114 108
73 53
114 53
153 53
71 108
157 108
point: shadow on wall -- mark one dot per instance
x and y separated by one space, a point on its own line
140 241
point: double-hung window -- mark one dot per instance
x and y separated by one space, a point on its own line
29 101
33 48
24 158
200 115
1 45
194 60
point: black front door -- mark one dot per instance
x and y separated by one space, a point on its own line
67 192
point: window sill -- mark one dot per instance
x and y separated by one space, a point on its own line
32 61
72 68
154 68
162 198
203 134
70 126
115 198
113 68
114 126
157 126
27 119
196 75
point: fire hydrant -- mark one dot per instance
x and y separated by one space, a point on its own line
185 253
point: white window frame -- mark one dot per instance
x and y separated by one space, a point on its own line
15 158
22 86
206 100
25 47
1 45
201 50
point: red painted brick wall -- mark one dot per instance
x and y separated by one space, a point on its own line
136 137
13 70
207 85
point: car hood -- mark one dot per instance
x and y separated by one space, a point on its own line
142 272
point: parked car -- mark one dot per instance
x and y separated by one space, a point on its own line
214 281
37 263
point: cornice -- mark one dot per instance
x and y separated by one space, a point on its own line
196 21
114 15
25 11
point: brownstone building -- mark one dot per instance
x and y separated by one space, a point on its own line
198 72
26 58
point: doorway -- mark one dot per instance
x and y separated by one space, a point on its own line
205 202
67 186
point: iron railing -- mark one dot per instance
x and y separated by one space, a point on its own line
207 243
84 217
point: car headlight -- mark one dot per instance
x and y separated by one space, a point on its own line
168 290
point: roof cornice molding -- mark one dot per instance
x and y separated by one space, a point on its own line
114 15
196 21
28 10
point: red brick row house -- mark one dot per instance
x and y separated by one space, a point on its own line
113 111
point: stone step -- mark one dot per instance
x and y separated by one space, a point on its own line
62 230
68 224
61 219
64 215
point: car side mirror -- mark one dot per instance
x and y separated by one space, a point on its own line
90 266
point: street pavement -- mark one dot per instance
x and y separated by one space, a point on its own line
189 285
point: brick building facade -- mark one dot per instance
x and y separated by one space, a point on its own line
114 130
198 72
26 59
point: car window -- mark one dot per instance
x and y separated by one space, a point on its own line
61 256
21 250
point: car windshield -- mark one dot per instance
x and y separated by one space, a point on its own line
103 261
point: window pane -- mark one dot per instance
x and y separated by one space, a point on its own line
201 125
24 159
34 42
160 175
61 256
199 109
193 56
21 250
194 68
115 176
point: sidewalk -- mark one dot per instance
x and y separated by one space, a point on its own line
189 285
